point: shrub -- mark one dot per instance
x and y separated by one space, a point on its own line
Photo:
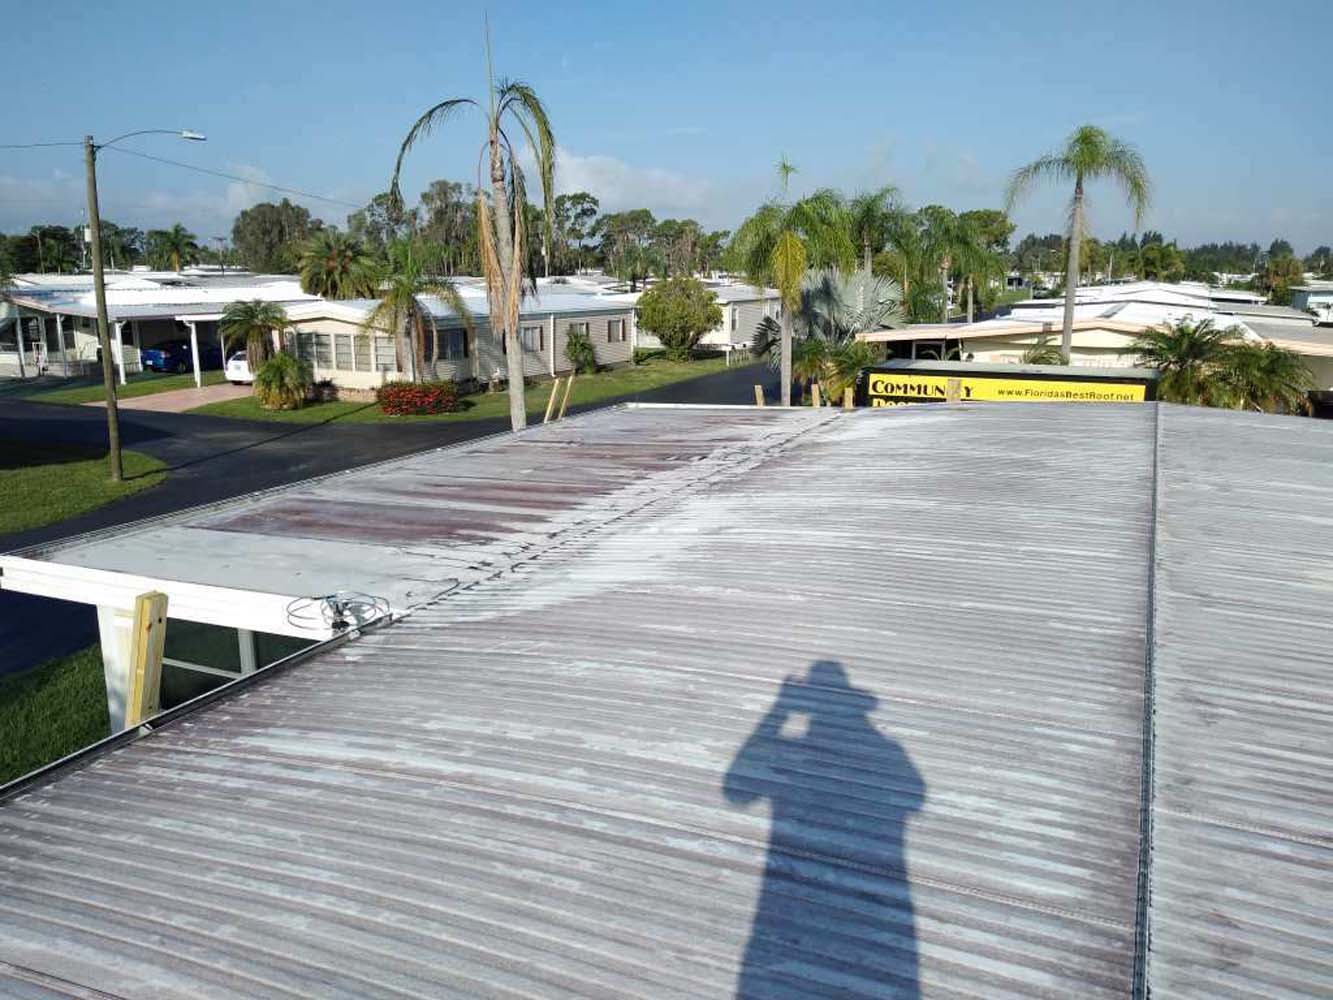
282 383
644 354
402 398
679 311
579 350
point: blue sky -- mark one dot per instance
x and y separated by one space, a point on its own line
683 107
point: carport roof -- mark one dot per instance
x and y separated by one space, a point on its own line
959 698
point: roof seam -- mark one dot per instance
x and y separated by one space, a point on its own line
1142 928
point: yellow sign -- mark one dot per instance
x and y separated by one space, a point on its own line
896 388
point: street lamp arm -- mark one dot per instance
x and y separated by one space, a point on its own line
184 133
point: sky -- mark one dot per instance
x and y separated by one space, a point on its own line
683 108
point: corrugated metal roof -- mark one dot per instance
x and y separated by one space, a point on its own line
823 703
1242 873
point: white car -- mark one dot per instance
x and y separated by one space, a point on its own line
238 369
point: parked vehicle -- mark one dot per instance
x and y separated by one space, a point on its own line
238 369
174 356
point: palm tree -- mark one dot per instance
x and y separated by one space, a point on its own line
501 219
258 325
1191 359
1089 154
774 246
336 266
400 311
872 215
1043 352
175 246
834 308
1267 377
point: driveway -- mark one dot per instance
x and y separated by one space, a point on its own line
211 458
180 400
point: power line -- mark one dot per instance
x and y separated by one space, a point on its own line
36 145
234 177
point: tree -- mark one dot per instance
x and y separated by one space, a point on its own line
1267 377
835 307
382 222
625 244
1321 261
1280 248
268 237
1191 360
774 246
172 248
337 266
1278 278
502 230
1089 154
400 312
258 325
872 216
1043 352
574 216
992 227
1161 262
712 249
679 311
122 246
449 225
57 250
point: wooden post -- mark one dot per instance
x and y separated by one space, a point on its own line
848 398
550 403
146 643
953 390
814 394
759 395
565 402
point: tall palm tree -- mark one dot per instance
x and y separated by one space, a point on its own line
1089 154
401 312
336 266
257 324
774 246
501 220
1267 377
872 216
1191 360
175 246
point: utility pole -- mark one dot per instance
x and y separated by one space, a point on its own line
103 336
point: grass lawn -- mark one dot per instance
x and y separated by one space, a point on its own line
43 483
51 711
142 384
587 389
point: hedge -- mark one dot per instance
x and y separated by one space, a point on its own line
401 398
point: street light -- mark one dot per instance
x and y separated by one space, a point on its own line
90 150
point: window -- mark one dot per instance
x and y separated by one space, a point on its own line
455 345
583 328
323 350
532 338
735 317
361 341
615 331
342 352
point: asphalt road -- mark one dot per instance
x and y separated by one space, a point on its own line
211 459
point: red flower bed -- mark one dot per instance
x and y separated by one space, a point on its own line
401 398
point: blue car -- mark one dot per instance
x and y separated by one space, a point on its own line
174 356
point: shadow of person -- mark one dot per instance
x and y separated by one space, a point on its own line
834 914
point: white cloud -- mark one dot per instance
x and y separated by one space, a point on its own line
619 185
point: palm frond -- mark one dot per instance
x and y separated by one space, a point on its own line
421 128
1052 166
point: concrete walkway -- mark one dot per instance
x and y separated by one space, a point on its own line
180 400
